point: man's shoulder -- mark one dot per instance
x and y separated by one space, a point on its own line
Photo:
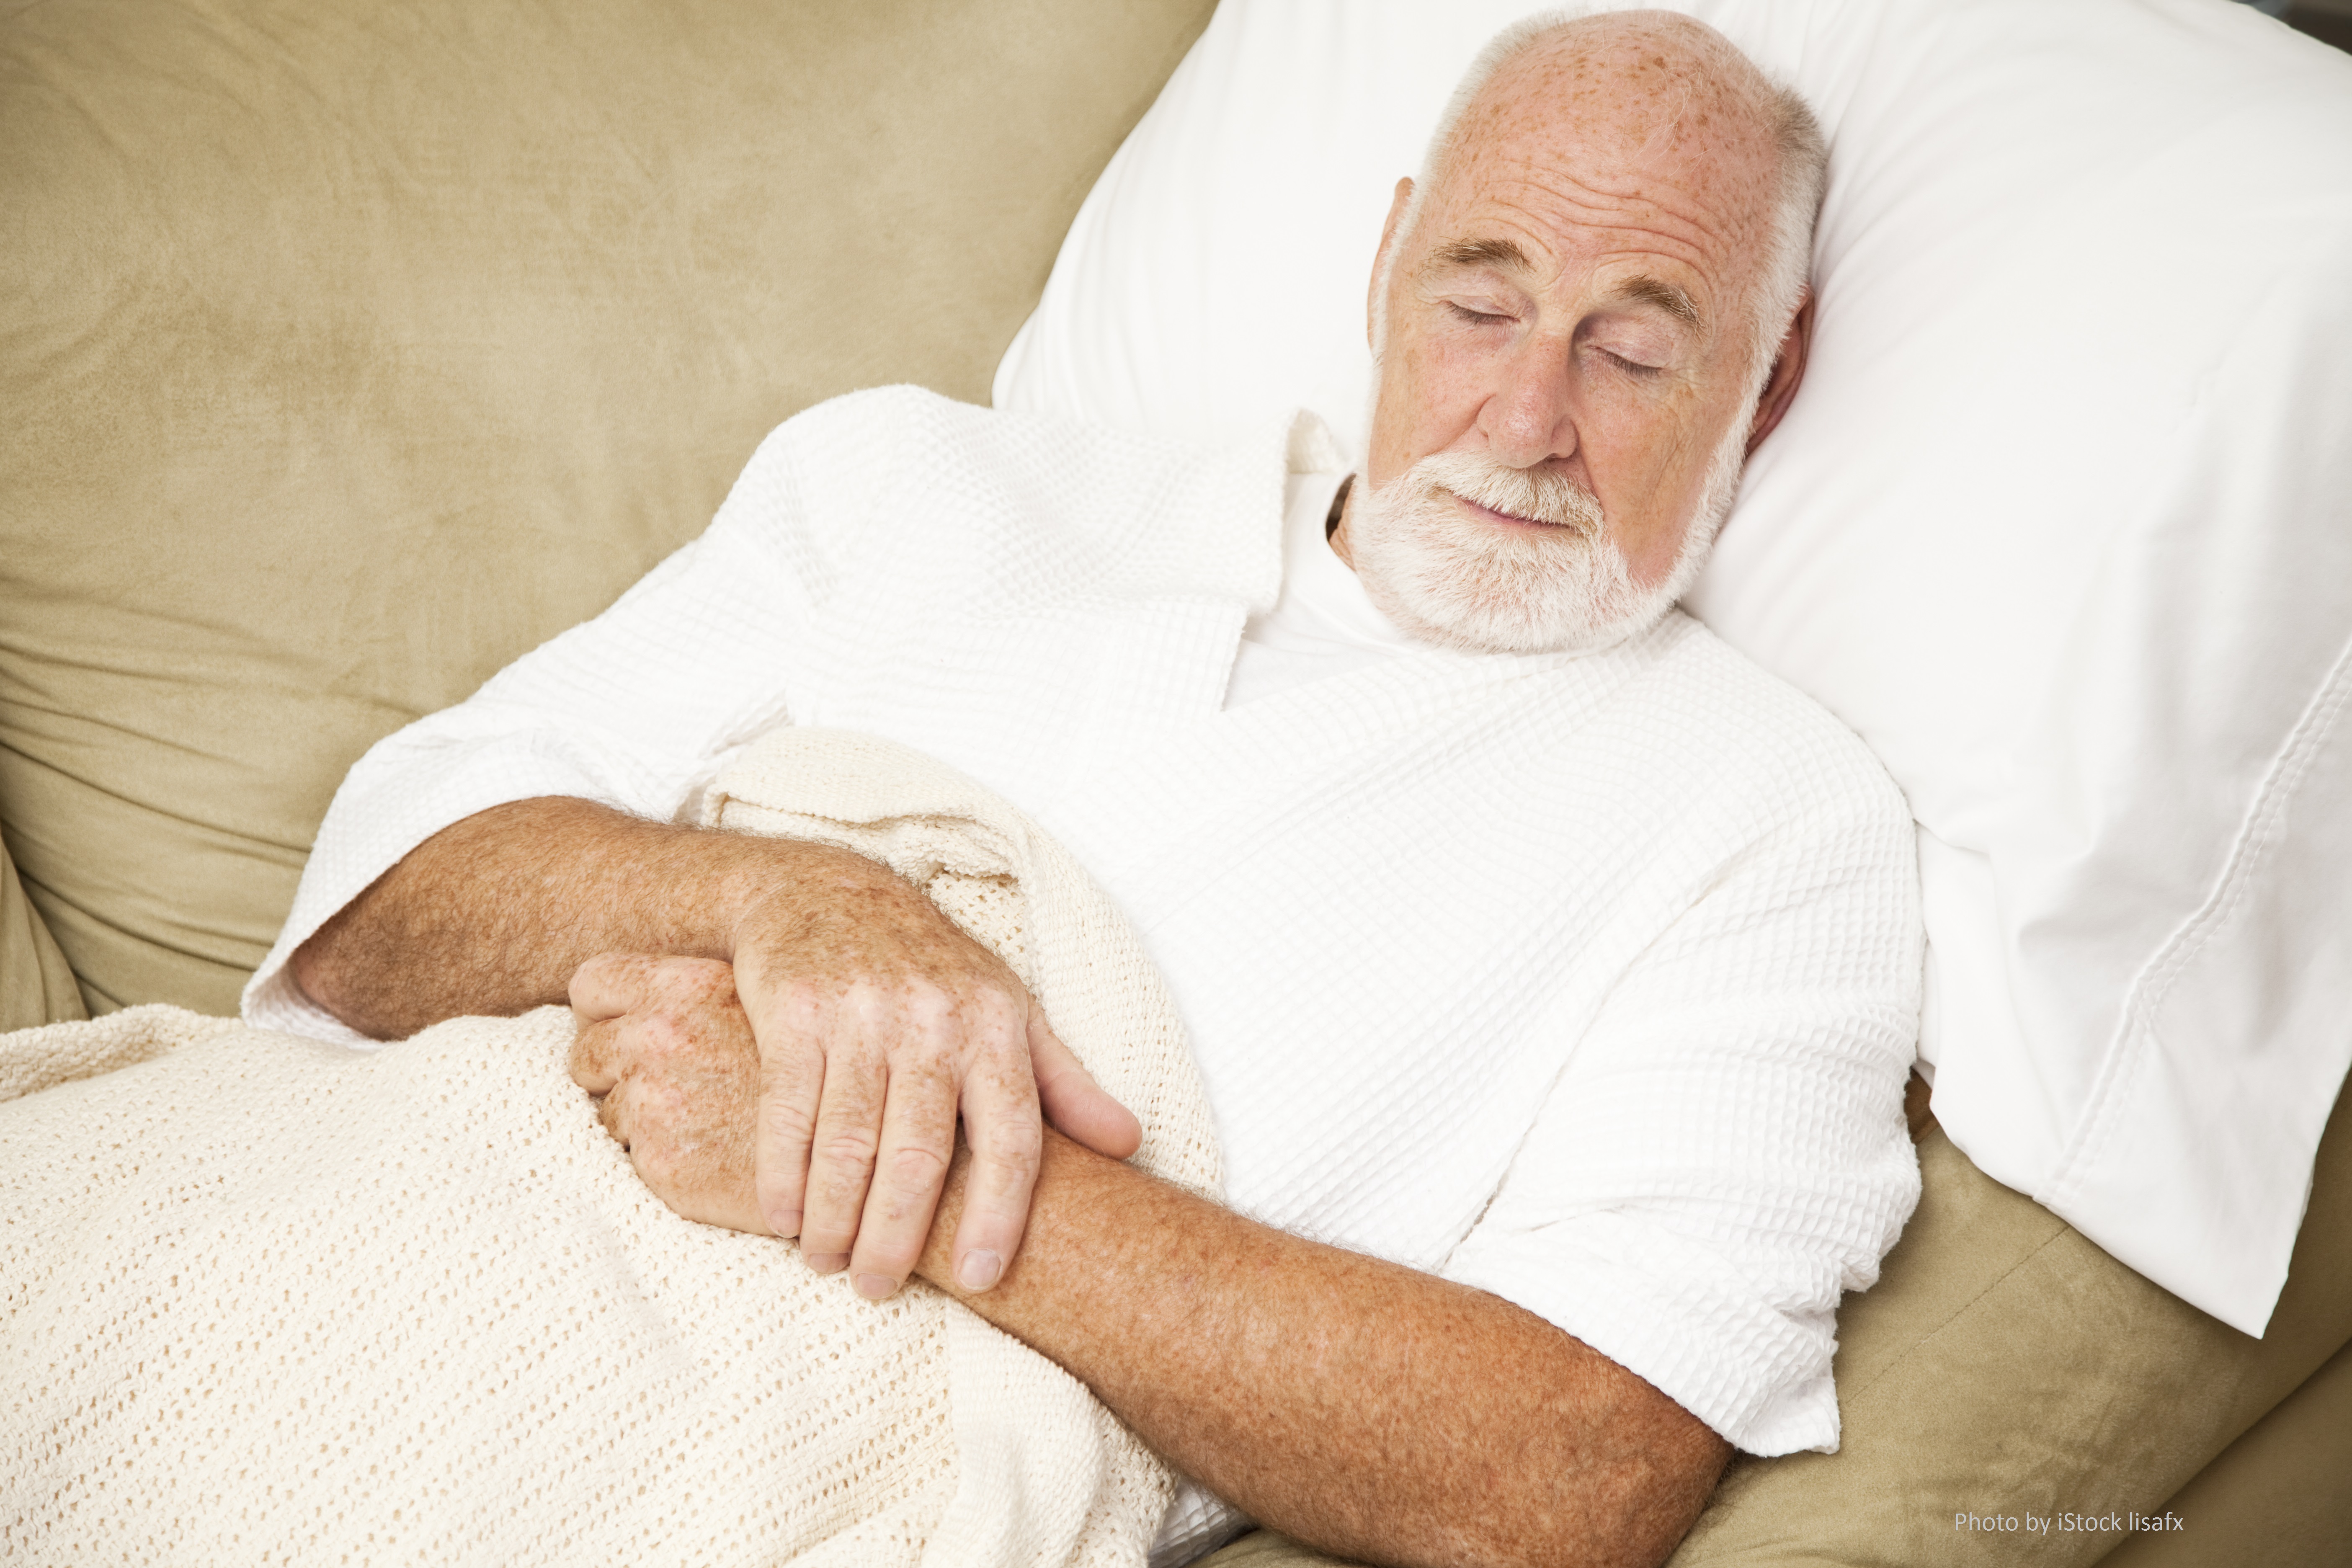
904 467
888 434
1757 735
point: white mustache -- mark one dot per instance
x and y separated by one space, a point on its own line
1537 495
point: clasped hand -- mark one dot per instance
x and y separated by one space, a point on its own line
812 1088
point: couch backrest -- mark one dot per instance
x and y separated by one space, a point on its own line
351 350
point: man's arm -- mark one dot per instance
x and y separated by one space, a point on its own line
1362 1406
492 914
875 1020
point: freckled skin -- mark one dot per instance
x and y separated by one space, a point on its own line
876 1019
1637 146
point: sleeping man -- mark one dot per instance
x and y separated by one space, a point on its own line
1551 971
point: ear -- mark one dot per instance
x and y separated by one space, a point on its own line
1380 257
1787 371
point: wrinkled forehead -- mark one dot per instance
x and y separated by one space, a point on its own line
1631 108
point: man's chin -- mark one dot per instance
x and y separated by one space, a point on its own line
1462 625
1508 586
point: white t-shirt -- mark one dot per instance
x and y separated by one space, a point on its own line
1590 979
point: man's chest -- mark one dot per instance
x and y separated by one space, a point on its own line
1386 904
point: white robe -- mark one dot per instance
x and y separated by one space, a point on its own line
1588 979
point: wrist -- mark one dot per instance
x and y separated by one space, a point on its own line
779 885
1076 1188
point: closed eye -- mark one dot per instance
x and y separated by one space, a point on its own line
1633 367
1477 318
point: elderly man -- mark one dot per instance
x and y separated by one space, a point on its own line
1552 971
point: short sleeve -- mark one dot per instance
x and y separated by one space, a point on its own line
1724 1152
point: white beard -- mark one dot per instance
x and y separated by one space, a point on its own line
1445 578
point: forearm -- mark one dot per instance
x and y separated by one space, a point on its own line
494 914
1362 1406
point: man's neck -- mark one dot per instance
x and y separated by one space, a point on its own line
1335 521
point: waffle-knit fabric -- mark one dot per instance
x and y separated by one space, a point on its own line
266 1301
1589 979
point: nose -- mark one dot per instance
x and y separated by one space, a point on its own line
1527 419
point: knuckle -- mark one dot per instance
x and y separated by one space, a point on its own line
923 1065
615 967
866 1005
1002 1012
660 1036
916 1168
663 1105
833 1209
789 1073
1009 1160
1017 1138
1018 1161
849 1147
930 1009
786 1121
838 1196
802 1006
1012 1076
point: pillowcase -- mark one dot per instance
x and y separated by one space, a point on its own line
2061 522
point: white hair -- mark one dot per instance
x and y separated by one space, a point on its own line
1797 204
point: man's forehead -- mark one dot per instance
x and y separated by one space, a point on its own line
1611 116
1541 217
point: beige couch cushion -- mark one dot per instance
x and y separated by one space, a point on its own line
2004 1364
351 351
2279 1497
36 985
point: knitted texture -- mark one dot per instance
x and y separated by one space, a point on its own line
267 1301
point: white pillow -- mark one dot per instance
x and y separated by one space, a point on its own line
2061 522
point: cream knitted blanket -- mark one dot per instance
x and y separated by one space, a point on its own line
266 1300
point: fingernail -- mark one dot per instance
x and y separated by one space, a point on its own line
785 1223
979 1269
874 1286
826 1262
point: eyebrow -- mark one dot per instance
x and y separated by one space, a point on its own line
1674 301
1480 253
1640 288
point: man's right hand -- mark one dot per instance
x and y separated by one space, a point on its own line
877 1021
